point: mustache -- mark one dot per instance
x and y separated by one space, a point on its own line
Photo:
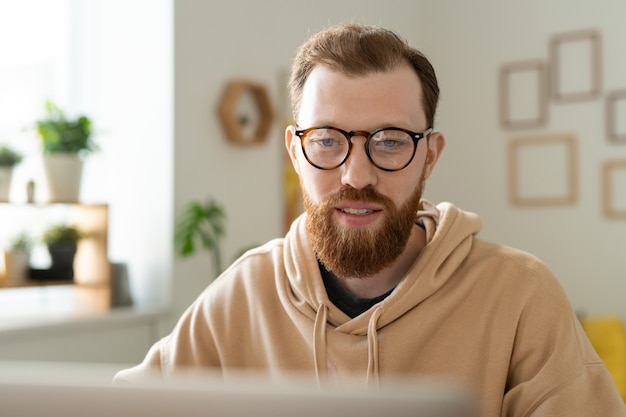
367 194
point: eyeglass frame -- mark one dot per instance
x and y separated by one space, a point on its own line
416 136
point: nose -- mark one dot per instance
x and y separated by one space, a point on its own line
358 171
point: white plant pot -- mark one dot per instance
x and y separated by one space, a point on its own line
5 182
63 177
16 265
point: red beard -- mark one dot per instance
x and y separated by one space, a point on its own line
351 252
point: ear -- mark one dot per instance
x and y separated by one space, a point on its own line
291 143
436 142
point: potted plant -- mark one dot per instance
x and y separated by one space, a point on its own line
203 224
16 257
61 241
8 159
64 142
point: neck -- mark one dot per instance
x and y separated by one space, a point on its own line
390 277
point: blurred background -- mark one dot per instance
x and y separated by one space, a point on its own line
152 74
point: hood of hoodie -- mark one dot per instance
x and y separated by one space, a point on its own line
449 233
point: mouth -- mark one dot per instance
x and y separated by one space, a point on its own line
357 212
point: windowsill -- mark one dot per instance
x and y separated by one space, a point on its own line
49 309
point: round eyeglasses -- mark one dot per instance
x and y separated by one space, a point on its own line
388 148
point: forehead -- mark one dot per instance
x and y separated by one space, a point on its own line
364 102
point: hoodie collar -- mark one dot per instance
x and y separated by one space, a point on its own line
449 233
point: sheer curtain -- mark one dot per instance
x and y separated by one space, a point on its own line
34 66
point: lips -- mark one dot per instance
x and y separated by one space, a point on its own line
358 207
358 212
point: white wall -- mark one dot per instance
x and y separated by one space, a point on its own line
135 169
467 42
473 39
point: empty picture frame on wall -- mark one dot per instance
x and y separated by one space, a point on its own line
575 66
523 99
543 170
616 116
614 180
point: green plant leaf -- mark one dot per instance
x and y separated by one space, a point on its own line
61 135
59 233
9 157
202 224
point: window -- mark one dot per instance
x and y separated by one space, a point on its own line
34 67
111 60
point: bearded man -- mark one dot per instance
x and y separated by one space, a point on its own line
374 282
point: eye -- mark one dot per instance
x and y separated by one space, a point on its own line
326 142
391 141
325 139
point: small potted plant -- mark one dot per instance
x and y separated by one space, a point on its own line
8 159
64 143
201 224
16 257
61 241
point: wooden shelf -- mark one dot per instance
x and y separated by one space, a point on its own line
91 265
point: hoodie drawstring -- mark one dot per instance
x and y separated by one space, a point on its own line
372 349
319 346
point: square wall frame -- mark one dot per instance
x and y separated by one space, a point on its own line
543 170
610 186
515 112
615 120
575 66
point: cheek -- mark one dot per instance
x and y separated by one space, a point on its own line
401 190
317 184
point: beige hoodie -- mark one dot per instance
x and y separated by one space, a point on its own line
487 315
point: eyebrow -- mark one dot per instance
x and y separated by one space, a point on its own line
380 126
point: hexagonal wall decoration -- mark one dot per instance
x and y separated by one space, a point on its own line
246 112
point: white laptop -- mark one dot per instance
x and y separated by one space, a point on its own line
206 395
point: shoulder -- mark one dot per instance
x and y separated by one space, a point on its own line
512 260
522 274
253 268
245 286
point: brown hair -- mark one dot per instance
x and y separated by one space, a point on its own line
358 50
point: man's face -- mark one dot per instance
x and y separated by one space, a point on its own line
360 217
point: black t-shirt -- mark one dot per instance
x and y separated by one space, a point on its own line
344 299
